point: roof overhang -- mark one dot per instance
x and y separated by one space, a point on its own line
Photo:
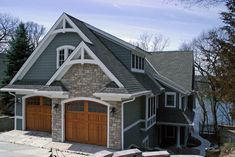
53 94
118 96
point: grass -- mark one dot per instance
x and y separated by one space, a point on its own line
227 149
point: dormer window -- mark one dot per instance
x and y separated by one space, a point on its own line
137 63
63 52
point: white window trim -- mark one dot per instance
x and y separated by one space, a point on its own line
170 93
135 69
66 53
64 68
147 112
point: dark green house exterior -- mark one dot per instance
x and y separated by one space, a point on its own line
82 84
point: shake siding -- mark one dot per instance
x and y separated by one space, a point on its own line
122 53
45 66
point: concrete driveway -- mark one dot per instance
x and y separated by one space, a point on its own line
43 140
17 150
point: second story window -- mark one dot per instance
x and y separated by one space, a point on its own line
170 99
151 108
63 52
137 64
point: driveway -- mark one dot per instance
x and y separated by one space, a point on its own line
18 150
43 140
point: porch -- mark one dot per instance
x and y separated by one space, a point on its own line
44 140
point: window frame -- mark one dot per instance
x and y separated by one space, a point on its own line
66 49
137 63
151 111
170 94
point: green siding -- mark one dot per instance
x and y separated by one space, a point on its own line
19 106
122 53
19 125
135 136
45 66
134 111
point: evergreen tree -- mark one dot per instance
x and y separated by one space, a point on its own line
18 52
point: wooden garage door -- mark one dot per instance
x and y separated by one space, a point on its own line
86 122
38 114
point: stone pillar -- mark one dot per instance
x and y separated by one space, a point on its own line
115 126
56 121
178 137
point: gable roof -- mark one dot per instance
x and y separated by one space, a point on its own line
177 66
164 64
126 77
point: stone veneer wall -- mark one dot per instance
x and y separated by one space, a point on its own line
115 126
56 121
84 80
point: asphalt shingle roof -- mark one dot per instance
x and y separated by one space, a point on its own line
174 116
177 66
126 77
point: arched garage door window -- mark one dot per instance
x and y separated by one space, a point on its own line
86 122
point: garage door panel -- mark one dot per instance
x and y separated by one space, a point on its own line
88 126
38 115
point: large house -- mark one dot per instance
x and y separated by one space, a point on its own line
84 85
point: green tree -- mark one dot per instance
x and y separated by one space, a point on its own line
226 68
18 52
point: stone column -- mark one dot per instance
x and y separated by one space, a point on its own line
115 126
56 120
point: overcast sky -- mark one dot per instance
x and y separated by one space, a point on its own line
126 19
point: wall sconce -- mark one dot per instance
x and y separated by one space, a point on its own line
55 105
113 110
18 100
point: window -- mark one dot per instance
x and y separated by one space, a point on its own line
170 99
63 53
151 107
137 63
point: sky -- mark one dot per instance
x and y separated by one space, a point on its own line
126 19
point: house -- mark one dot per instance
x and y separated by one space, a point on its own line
84 85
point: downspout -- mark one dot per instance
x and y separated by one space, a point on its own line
14 109
122 107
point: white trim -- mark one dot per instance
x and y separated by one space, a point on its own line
16 90
88 99
137 70
66 53
174 124
63 69
119 97
133 124
80 61
170 93
42 46
122 118
180 101
145 141
167 81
